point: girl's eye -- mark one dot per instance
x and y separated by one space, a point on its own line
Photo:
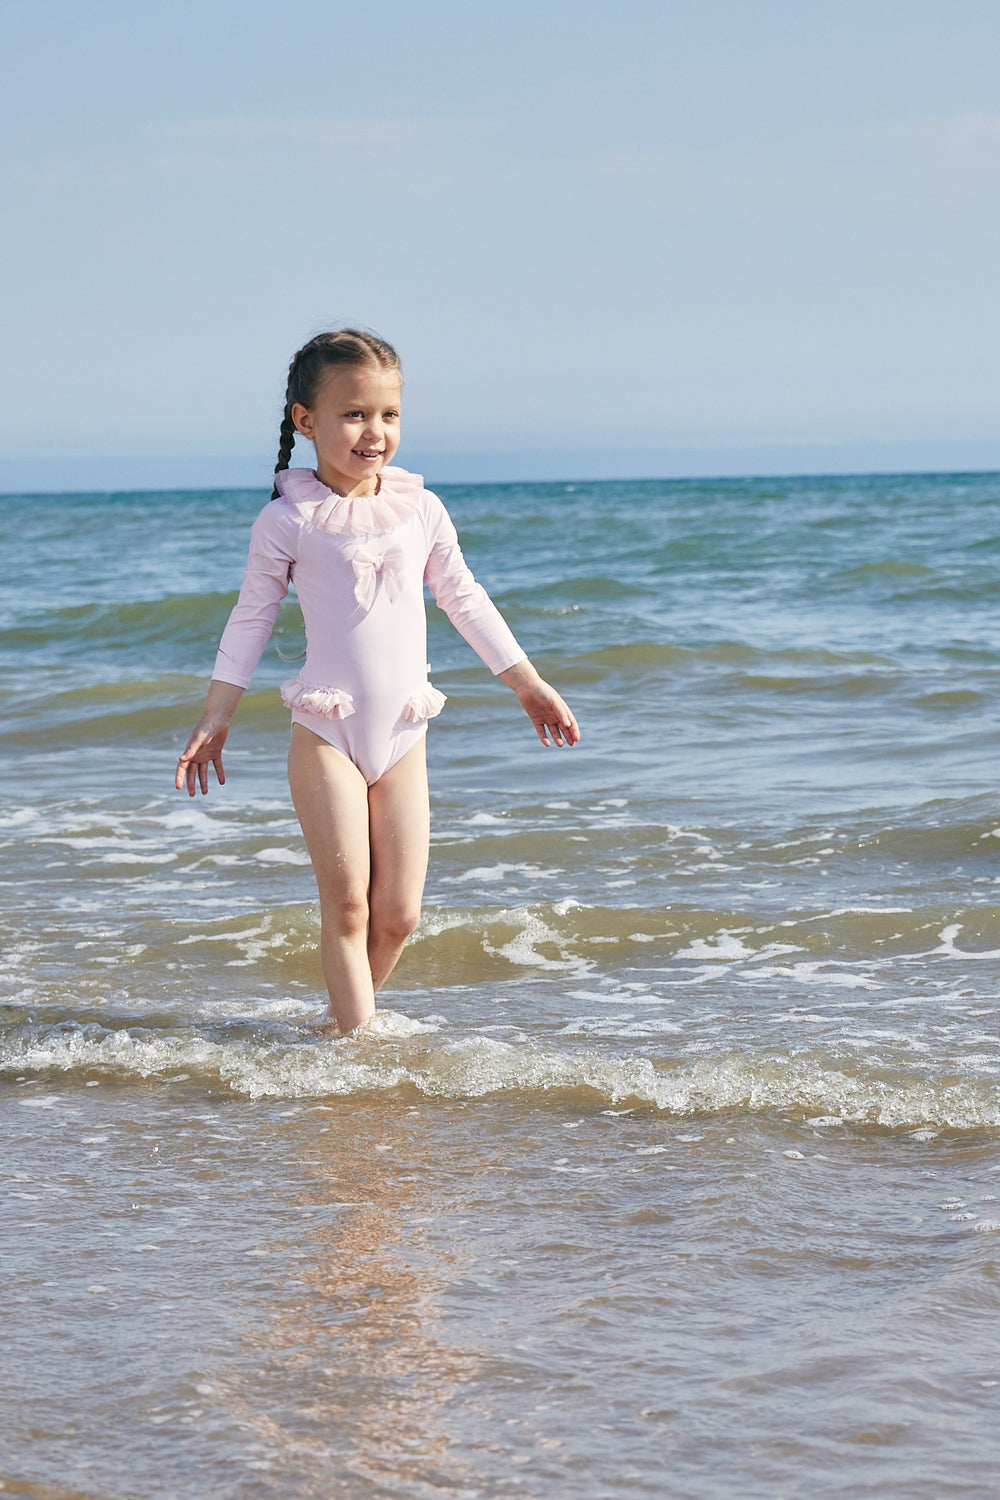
390 416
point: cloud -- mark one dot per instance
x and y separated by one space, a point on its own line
943 133
402 155
310 131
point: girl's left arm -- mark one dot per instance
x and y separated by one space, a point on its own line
473 613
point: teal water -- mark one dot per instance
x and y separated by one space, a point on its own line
675 1168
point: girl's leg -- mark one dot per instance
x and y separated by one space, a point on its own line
331 799
399 820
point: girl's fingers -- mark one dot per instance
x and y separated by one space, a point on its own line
193 763
554 722
568 725
561 725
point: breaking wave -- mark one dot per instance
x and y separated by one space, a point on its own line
281 1057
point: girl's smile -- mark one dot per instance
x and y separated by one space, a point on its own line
354 426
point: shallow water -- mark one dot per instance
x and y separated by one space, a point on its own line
674 1168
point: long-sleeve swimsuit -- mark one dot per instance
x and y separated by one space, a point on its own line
359 567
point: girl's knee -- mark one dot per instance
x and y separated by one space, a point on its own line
395 925
345 912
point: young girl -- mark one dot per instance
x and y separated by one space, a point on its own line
359 540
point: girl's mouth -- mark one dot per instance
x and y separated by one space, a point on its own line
367 453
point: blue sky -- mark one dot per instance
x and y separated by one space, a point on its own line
690 237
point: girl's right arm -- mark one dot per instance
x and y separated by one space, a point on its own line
265 584
208 737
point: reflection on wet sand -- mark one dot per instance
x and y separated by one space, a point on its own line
351 1373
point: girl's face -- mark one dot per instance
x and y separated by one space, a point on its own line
354 426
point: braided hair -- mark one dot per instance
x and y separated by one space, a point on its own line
348 348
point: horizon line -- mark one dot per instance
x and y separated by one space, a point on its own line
709 478
151 472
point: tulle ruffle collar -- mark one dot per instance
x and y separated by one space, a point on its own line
398 493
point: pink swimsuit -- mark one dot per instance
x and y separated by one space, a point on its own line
359 568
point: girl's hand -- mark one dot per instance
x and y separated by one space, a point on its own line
204 748
554 722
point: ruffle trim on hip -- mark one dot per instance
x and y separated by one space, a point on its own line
426 703
323 702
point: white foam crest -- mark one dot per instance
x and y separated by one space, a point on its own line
619 1026
127 857
116 1052
280 1008
191 818
486 873
303 1070
277 856
331 1067
392 1023
81 841
723 947
17 817
675 832
522 949
402 1053
434 923
948 949
81 825
820 973
863 911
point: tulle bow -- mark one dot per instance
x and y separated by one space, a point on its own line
369 564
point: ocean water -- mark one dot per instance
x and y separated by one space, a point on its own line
675 1167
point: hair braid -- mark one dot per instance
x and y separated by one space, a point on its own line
285 444
346 348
